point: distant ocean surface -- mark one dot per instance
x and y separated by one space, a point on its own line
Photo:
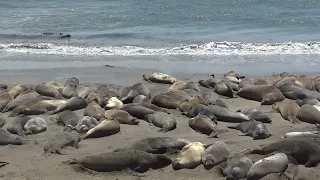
227 32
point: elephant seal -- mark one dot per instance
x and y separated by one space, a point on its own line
83 91
72 80
209 83
301 134
69 91
72 104
6 138
122 116
20 100
165 101
265 94
210 97
309 114
140 99
138 161
189 157
2 121
303 173
162 120
177 95
246 82
255 114
179 85
94 110
288 109
215 154
137 111
188 104
84 124
305 82
67 117
147 105
192 93
93 96
105 128
16 125
311 101
5 98
35 125
19 109
26 92
226 115
255 129
16 90
135 90
233 74
220 103
237 167
158 77
60 140
157 145
114 103
206 126
46 90
55 85
201 109
43 107
276 163
193 86
123 91
224 89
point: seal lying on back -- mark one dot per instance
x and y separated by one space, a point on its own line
255 129
7 138
72 104
255 114
206 126
162 120
157 145
227 115
139 161
215 154
237 167
35 125
288 109
16 125
159 78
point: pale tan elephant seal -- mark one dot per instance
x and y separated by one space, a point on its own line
35 125
55 85
122 116
16 90
179 85
94 110
159 78
46 90
309 114
113 103
288 109
43 107
5 98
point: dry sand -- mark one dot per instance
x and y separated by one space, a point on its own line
26 161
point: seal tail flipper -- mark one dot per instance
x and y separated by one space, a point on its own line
3 163
214 134
46 153
59 151
294 120
243 134
232 127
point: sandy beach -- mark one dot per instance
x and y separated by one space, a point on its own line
26 162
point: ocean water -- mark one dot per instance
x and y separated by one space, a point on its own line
183 35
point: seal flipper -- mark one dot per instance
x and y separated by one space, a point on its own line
232 127
214 134
59 151
294 120
243 134
3 163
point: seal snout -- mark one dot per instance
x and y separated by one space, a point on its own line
208 164
176 165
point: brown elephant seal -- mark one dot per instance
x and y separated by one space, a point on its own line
157 145
188 104
209 83
193 86
215 154
123 91
311 101
255 129
303 173
122 116
179 85
165 101
94 110
140 99
46 90
67 117
135 90
224 89
189 157
309 114
192 93
305 82
84 124
288 109
105 128
138 161
72 80
113 103
5 98
301 134
16 90
158 77
226 115
19 109
276 163
3 121
69 91
55 85
265 94
162 120
72 104
237 167
178 95
16 125
83 91
35 125
20 100
137 111
7 138
206 126
93 96
210 97
43 107
60 140
255 114
201 109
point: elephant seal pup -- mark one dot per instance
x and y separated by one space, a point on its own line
255 114
6 138
162 120
238 166
72 104
5 98
122 116
69 91
224 89
188 104
135 90
140 99
276 163
288 109
93 96
137 111
255 129
60 140
35 125
113 103
165 101
105 128
189 157
20 100
67 117
83 91
301 134
16 90
72 80
84 124
193 86
16 125
138 161
179 85
201 109
43 107
94 110
55 85
309 114
157 145
215 154
206 126
158 77
2 121
303 173
265 94
226 115
45 90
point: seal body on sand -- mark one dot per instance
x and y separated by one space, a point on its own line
83 91
123 92
7 138
114 103
45 90
5 98
205 125
288 109
246 82
16 125
147 105
311 101
210 97
72 104
105 128
72 80
193 86
189 157
309 114
35 125
165 101
265 94
276 163
177 95
302 134
69 91
159 78
43 107
255 129
220 103
157 145
179 85
140 99
305 82
94 110
60 140
223 89
67 118
85 124
201 109
303 173
19 100
188 104
238 166
55 85
223 114
139 161
162 120
122 116
16 90
2 121
93 96
255 114
215 154
137 111
135 90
